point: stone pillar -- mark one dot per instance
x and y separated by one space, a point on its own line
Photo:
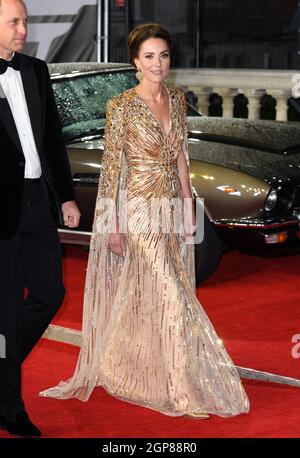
227 95
202 94
281 97
254 96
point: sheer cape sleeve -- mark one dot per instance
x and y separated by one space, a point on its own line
187 249
104 267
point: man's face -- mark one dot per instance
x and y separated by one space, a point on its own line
13 27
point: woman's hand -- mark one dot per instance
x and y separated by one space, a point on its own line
116 243
189 219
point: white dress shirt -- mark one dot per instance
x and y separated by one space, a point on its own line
12 86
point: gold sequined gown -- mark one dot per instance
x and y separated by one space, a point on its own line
146 339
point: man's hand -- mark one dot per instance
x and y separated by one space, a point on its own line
71 213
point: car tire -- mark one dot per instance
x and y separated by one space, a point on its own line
208 253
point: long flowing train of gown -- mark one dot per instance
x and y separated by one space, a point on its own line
146 339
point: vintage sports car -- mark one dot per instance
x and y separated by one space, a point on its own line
247 172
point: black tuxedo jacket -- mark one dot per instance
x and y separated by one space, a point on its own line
49 142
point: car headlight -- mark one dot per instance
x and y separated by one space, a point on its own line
280 200
271 200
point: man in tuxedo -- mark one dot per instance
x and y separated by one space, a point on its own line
35 184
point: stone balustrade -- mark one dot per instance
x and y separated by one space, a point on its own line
228 83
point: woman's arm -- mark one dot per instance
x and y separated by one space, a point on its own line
111 163
189 215
184 178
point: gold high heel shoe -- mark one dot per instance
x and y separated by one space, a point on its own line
196 416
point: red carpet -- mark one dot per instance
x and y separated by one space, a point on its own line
254 306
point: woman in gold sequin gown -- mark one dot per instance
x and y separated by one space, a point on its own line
146 339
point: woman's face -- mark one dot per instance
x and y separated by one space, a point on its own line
154 60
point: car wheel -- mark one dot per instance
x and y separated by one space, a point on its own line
207 253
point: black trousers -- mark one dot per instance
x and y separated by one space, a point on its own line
30 261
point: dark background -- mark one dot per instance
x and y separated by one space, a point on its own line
215 33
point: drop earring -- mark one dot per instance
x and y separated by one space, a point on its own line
139 75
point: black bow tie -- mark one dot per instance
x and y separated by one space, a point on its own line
13 63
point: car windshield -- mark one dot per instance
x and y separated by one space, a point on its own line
81 100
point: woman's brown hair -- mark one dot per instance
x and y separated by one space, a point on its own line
142 33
